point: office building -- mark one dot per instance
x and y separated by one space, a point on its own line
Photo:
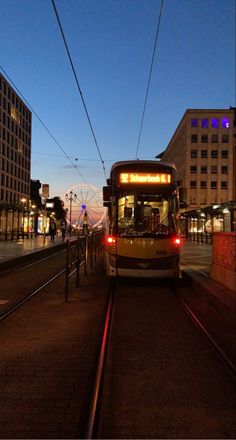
203 149
15 161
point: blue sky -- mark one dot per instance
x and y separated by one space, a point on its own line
111 44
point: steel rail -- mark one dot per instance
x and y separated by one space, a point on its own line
20 302
22 267
189 311
97 378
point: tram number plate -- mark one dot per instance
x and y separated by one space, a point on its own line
161 252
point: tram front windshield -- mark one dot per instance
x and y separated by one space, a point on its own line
146 215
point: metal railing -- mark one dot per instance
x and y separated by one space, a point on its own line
200 237
83 251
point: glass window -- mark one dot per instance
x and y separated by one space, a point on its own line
225 138
204 123
215 123
225 122
224 169
141 214
204 138
194 138
203 184
214 154
193 184
214 169
224 154
213 184
203 153
224 185
194 122
193 153
193 169
214 138
203 169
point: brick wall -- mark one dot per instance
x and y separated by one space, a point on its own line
223 267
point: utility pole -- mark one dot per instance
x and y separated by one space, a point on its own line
71 197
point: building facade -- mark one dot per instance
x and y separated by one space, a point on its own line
203 149
15 162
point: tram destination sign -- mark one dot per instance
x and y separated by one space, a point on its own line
144 178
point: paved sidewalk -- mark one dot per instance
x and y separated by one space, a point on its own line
47 349
17 248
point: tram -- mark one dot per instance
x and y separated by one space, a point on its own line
142 233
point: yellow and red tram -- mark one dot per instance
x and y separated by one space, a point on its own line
142 238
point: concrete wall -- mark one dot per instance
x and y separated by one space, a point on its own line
223 267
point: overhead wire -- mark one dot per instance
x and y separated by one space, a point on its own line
43 124
149 78
78 86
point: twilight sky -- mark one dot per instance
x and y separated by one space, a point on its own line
111 44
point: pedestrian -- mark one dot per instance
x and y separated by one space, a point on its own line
52 230
63 229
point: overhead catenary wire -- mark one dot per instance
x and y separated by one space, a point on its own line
43 124
149 78
78 86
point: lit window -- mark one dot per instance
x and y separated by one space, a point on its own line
204 123
15 114
194 122
215 123
20 147
225 122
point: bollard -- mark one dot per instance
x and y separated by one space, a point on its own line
67 269
86 255
77 263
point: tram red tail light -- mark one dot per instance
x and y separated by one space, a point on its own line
109 240
177 241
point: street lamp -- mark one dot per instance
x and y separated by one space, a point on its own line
23 201
71 197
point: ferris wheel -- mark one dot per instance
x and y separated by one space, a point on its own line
85 204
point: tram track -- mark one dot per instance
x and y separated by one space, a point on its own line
29 295
212 341
23 282
21 301
95 404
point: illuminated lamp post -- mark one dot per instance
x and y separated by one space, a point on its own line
23 217
71 197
